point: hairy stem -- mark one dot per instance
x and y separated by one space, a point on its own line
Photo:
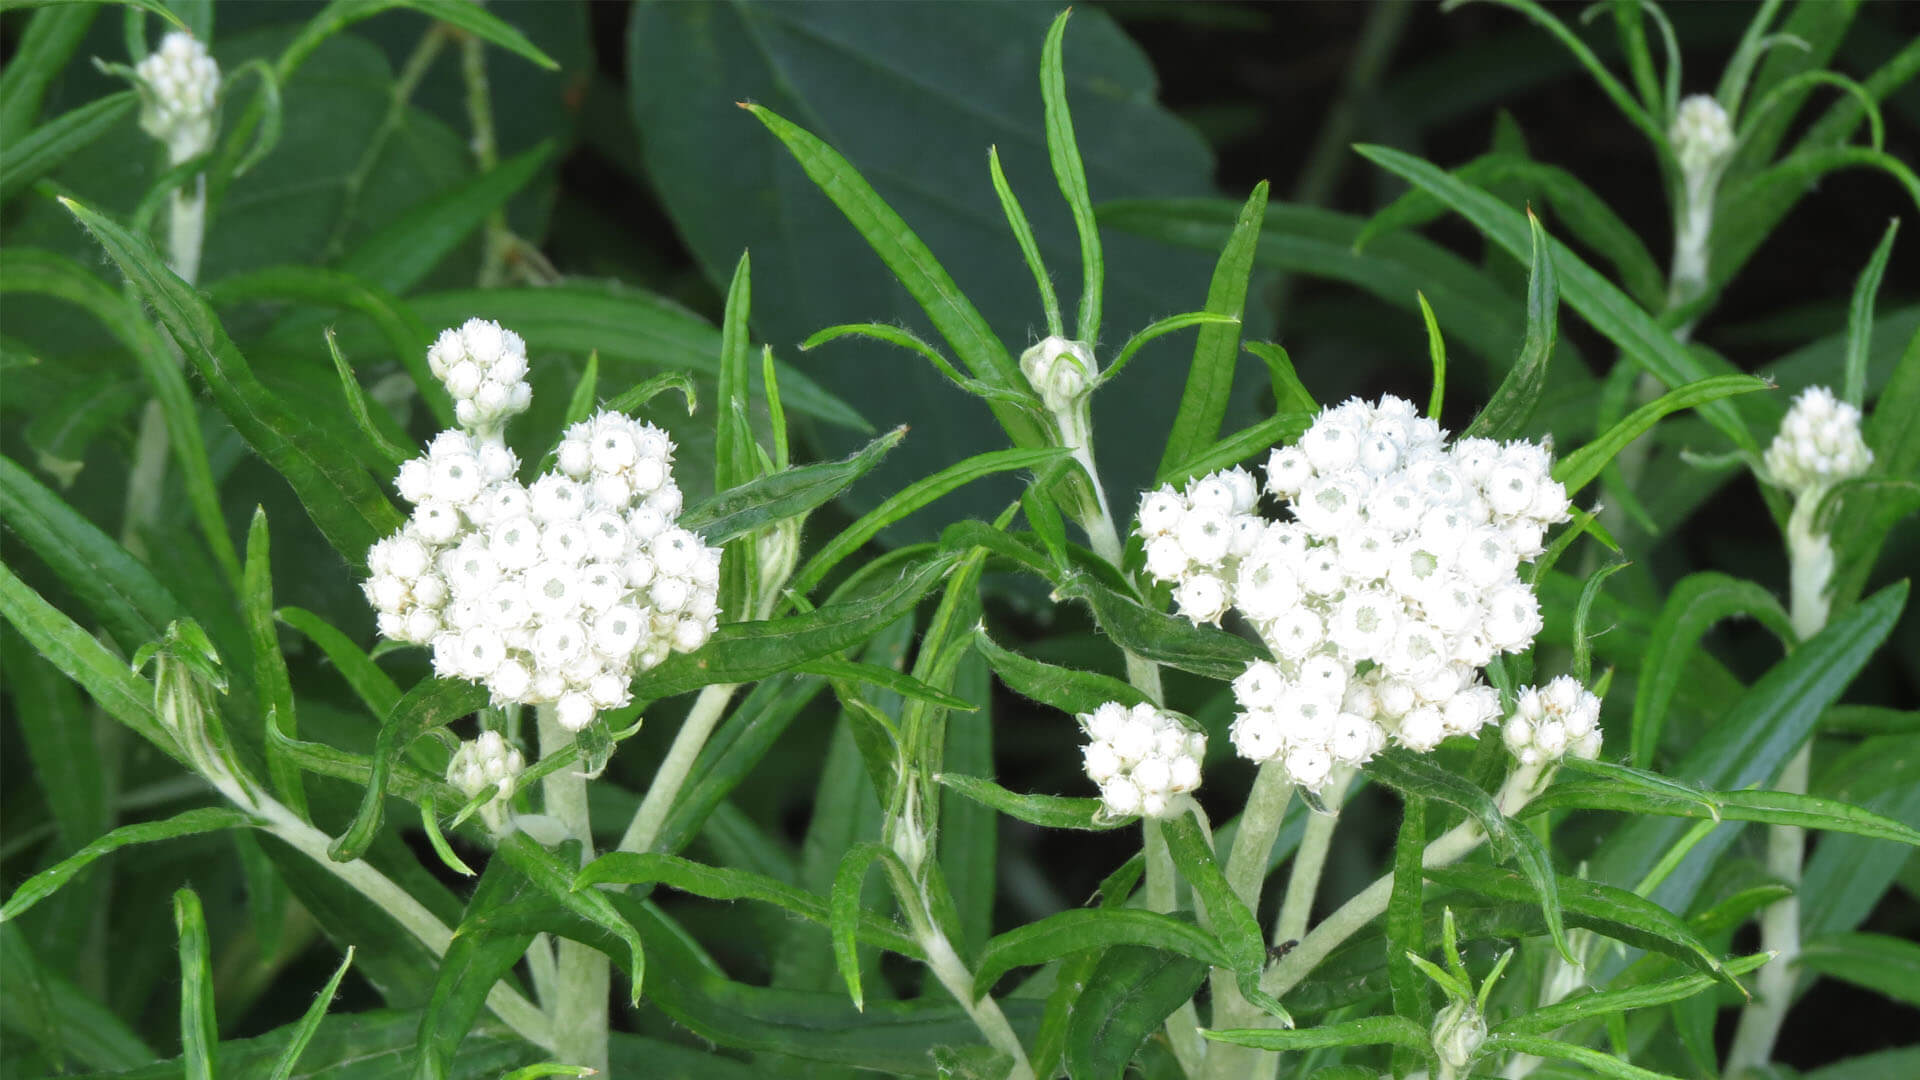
486 154
952 972
1183 1026
1303 881
583 975
1246 873
707 710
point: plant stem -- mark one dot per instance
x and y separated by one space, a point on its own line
706 712
584 976
1076 434
1183 1026
1810 561
1246 873
952 972
486 154
1303 881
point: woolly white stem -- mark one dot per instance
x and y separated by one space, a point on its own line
1303 881
1183 1026
1246 873
584 975
952 972
1076 434
647 822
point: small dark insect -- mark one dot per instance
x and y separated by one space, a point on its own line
1276 952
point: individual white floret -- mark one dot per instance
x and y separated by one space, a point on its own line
1819 444
1141 758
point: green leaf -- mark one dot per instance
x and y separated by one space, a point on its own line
749 651
873 675
1437 353
199 1031
1594 1060
432 703
1203 405
1416 774
1369 1031
723 883
1241 445
1886 965
1616 913
752 504
1406 927
1751 742
1156 329
1771 807
735 748
45 273
1066 689
401 255
734 462
911 498
1579 468
1046 811
1029 249
1065 933
553 875
1605 307
1860 318
481 24
58 640
374 687
50 39
303 1032
270 678
1162 638
1128 996
1884 1065
1232 923
154 7
66 758
845 914
1601 1003
190 823
478 957
1506 413
1064 152
343 501
42 151
1693 606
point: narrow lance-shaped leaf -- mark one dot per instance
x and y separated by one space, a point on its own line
1068 932
1063 151
199 1030
1770 807
269 666
1368 1031
844 906
1600 1004
1046 811
788 493
1235 926
375 687
191 823
309 1024
1066 689
430 704
1203 406
1860 318
1128 996
1693 606
1579 468
1506 413
1157 636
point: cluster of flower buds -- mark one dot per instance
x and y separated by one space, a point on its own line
1549 722
484 369
1819 444
553 592
1060 371
1141 758
179 85
1396 580
488 761
1702 136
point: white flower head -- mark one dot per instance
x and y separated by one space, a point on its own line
179 89
1551 722
1819 444
1701 134
487 761
1141 758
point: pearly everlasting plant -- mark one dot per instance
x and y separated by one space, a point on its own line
550 593
1393 579
680 683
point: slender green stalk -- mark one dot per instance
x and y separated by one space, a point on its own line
486 154
1310 861
707 710
405 82
1246 872
583 978
952 973
1183 1026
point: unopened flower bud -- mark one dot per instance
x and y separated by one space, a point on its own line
1060 371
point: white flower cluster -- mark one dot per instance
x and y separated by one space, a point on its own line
181 85
484 369
553 592
1396 580
482 763
1549 722
1141 758
1819 443
1060 371
1701 134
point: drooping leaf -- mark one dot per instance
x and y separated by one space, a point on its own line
1128 995
430 704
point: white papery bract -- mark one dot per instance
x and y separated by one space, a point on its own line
1141 758
553 593
1552 721
1394 582
1701 134
1819 444
1061 371
180 86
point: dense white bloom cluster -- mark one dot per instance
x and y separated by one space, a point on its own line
1701 134
484 369
1141 758
553 592
1061 371
1549 722
1396 580
181 84
1819 443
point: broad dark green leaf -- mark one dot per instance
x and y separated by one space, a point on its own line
430 704
342 499
788 493
1130 993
